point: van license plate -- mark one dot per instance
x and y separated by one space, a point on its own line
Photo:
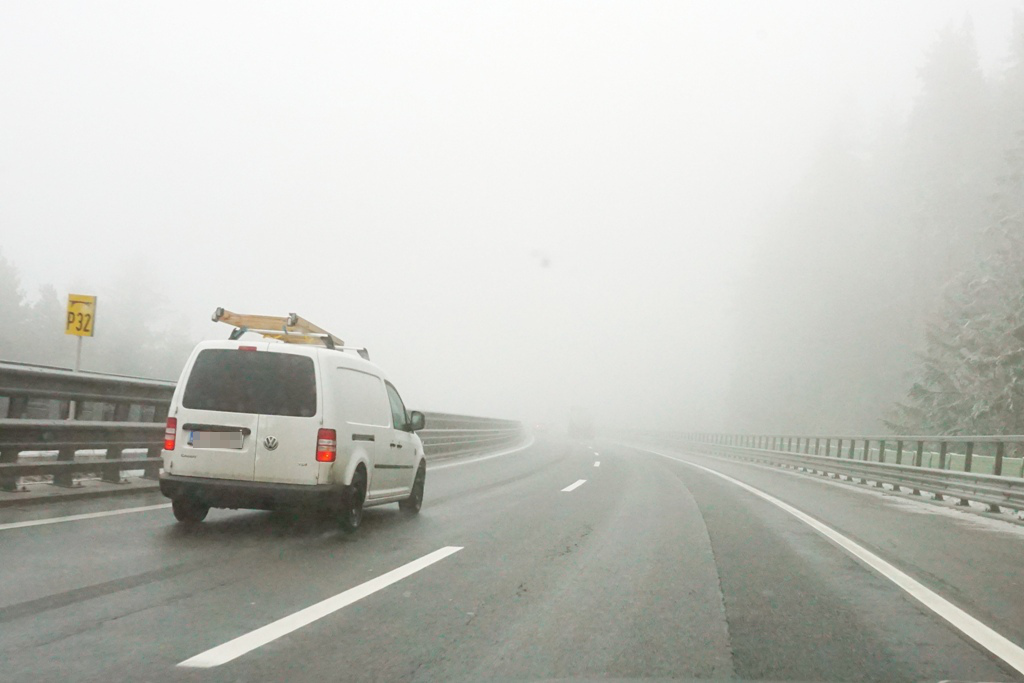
215 439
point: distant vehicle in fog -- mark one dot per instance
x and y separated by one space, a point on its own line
581 426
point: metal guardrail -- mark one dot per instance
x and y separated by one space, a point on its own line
886 460
34 405
21 383
447 435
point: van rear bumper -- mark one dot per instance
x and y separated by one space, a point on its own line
252 495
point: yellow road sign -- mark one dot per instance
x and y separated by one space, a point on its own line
81 317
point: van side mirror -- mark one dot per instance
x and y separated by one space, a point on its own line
416 421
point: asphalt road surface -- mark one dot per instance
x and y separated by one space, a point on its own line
539 564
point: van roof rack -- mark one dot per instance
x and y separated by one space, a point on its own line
290 329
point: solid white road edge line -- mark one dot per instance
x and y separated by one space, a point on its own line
502 454
1001 647
575 485
88 515
274 630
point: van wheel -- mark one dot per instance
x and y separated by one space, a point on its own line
352 508
189 510
414 502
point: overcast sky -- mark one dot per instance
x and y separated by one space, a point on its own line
517 206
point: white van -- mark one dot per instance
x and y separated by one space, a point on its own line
264 425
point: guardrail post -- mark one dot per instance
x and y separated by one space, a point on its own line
111 474
997 468
881 458
65 478
864 457
121 411
968 461
943 449
152 470
9 483
918 456
899 453
817 445
17 406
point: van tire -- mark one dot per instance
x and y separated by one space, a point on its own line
414 502
352 506
189 510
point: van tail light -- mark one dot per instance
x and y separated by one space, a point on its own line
170 433
326 445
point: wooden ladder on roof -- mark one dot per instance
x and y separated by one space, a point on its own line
290 329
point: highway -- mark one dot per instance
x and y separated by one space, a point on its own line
563 560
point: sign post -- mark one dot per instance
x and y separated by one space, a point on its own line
81 322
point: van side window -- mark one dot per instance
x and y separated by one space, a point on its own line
360 397
398 414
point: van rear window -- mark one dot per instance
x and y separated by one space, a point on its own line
258 382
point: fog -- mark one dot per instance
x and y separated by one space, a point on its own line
517 207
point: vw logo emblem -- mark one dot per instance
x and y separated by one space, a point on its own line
270 442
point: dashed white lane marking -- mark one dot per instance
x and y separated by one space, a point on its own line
597 463
75 518
274 630
575 485
988 638
444 466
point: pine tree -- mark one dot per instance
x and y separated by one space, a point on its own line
971 377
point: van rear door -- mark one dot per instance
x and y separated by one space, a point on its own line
234 399
289 419
218 418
